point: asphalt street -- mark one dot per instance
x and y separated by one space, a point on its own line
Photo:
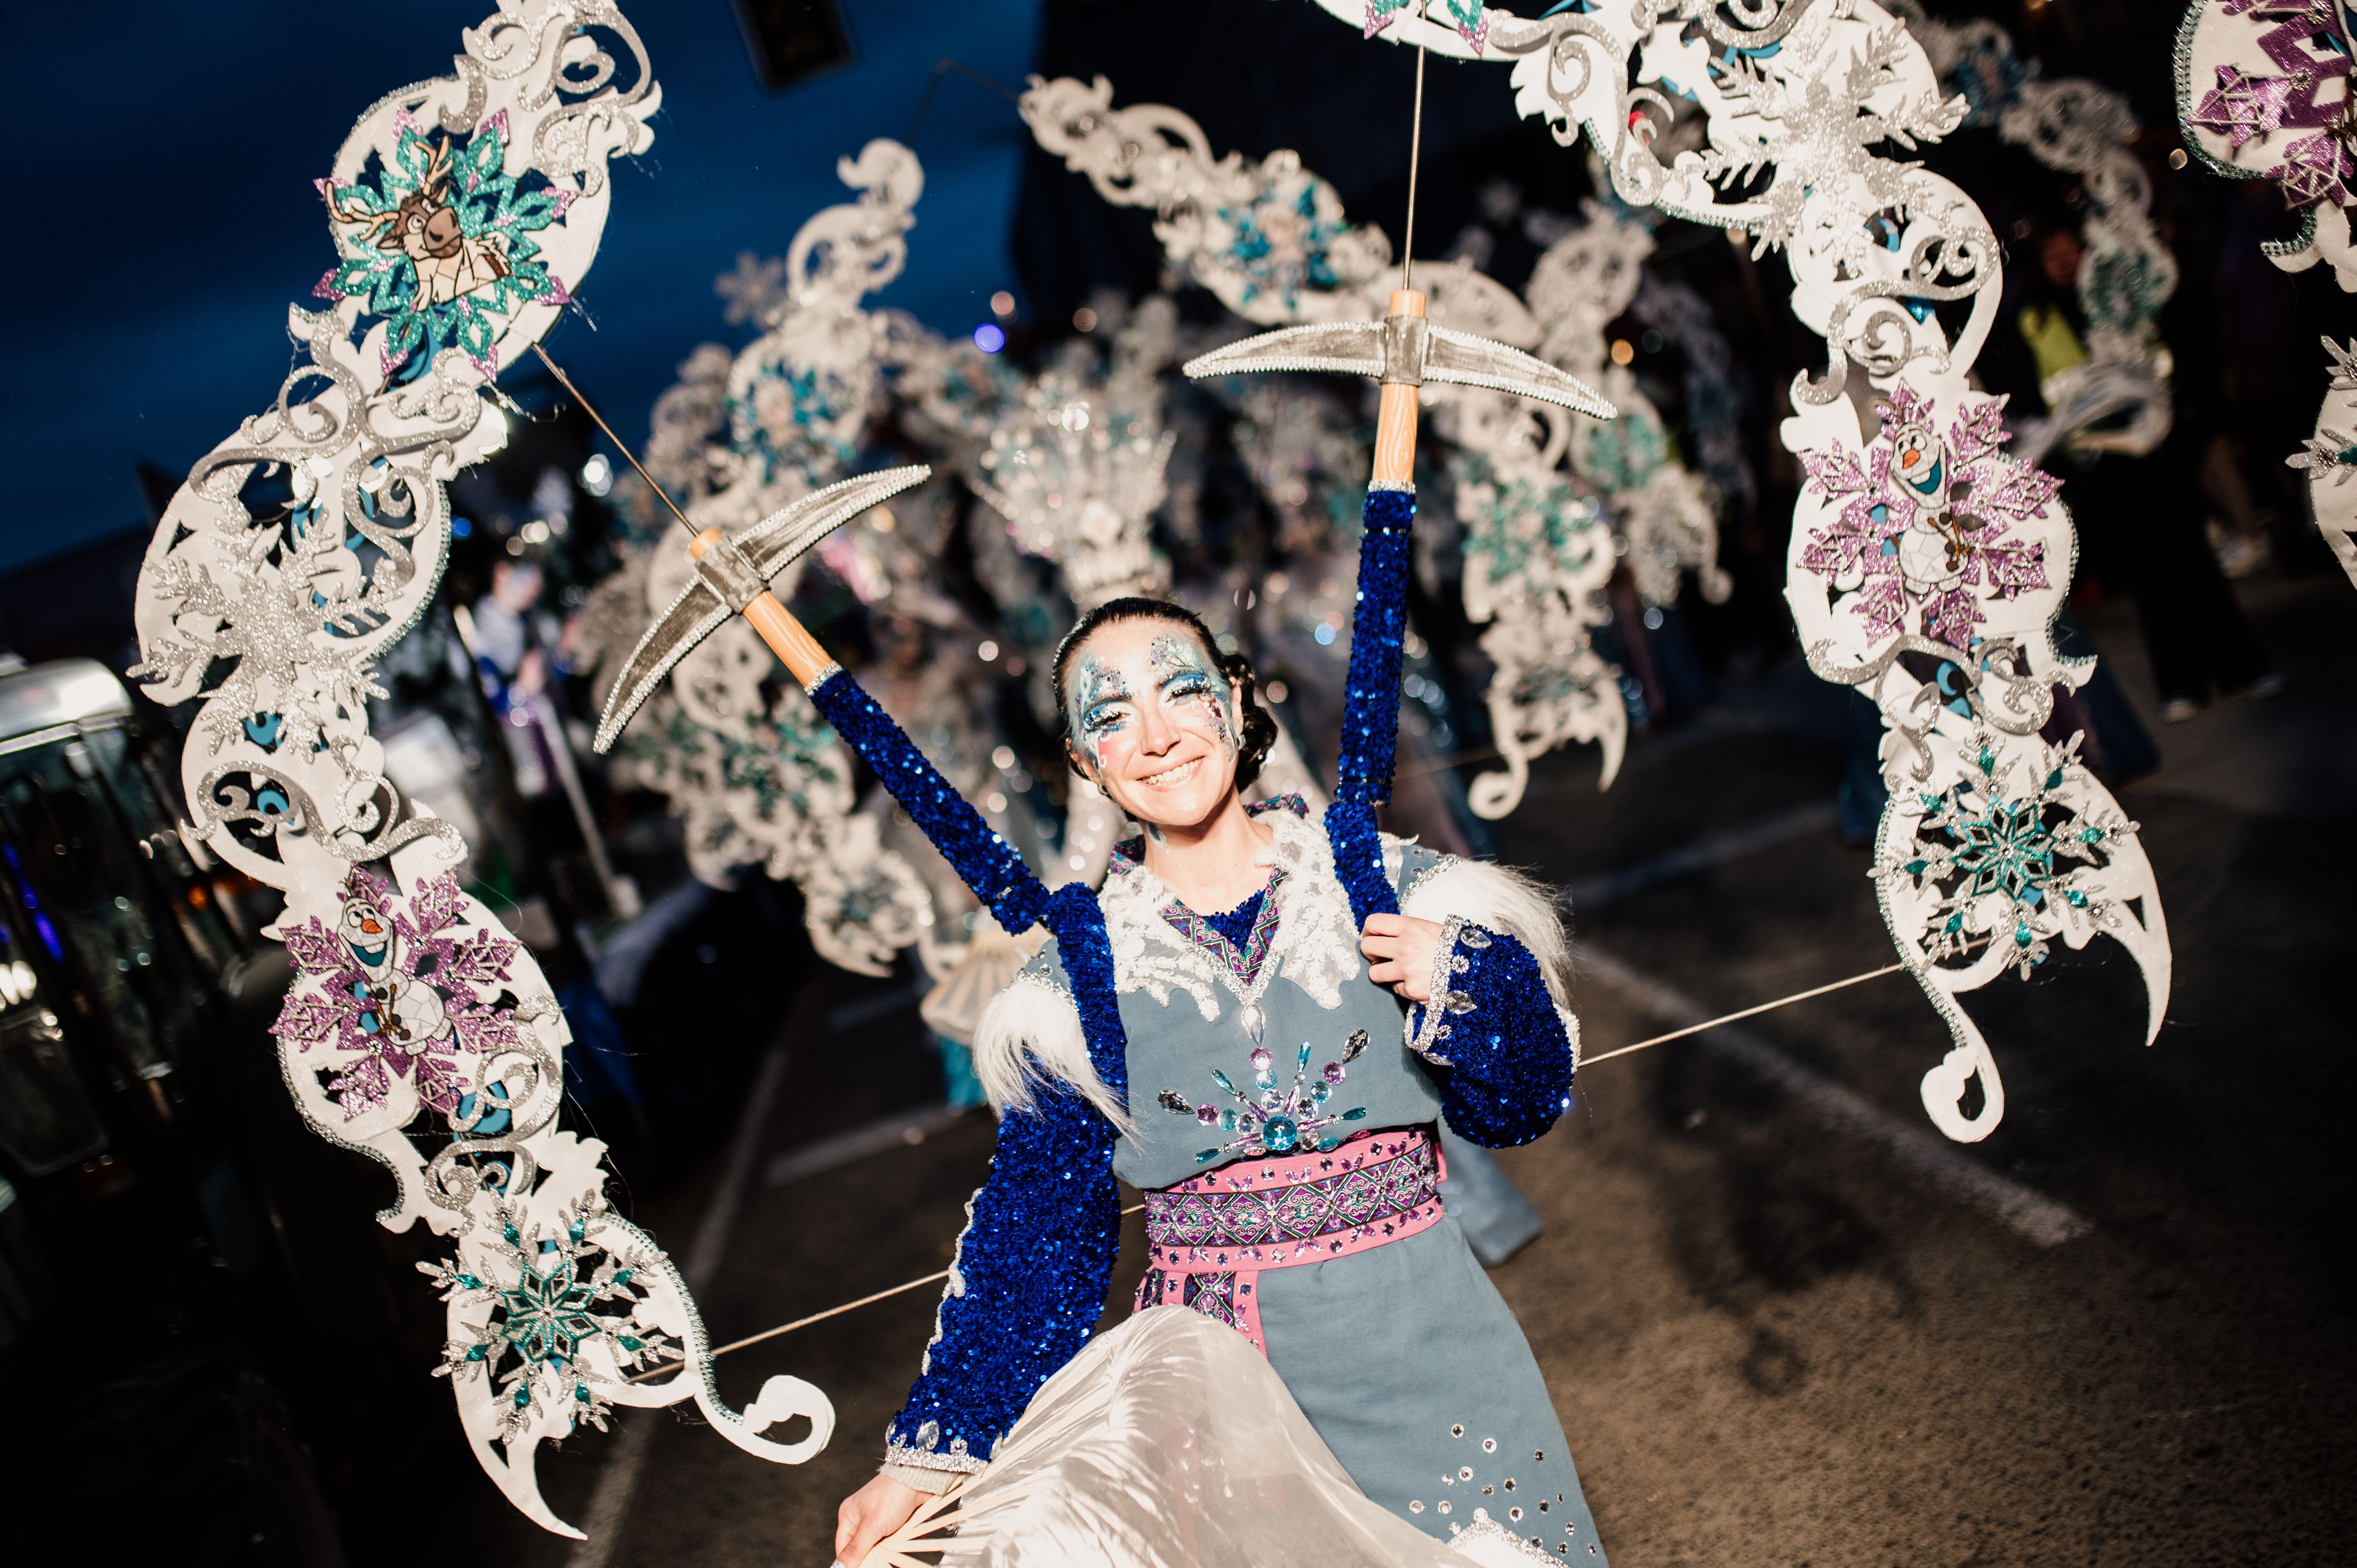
1784 1321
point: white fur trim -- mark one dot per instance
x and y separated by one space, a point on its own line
1499 898
1031 1031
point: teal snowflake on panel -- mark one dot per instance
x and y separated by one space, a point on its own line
2001 862
793 419
1283 243
439 242
803 750
1622 454
1525 526
546 1320
777 767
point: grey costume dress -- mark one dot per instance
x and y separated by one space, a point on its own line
1402 1357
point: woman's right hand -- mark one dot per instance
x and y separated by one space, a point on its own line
870 1514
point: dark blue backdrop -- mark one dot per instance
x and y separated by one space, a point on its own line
163 214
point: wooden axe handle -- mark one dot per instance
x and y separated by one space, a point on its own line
796 648
1395 423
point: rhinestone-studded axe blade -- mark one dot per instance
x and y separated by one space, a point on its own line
730 574
1406 350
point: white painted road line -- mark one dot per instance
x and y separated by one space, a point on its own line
907 1127
2024 1212
1595 892
618 1483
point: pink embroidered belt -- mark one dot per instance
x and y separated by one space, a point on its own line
1208 1238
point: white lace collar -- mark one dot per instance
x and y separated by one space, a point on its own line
1316 945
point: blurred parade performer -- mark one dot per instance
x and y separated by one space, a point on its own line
2141 522
521 652
513 644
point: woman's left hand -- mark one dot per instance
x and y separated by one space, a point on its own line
1399 952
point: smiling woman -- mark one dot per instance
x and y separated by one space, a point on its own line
1303 1213
1168 727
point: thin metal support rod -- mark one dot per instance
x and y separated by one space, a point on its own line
1134 1208
619 445
941 68
1414 157
1746 1013
670 1367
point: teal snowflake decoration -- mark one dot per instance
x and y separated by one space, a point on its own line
793 420
2012 866
1283 243
1539 529
777 767
547 1317
1622 454
438 242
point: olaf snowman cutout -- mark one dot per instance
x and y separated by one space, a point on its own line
406 1012
1935 546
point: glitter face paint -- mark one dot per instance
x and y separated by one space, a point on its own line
1188 680
1101 706
1104 688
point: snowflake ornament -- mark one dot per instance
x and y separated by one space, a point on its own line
2264 92
563 1325
1995 854
1928 526
438 241
400 993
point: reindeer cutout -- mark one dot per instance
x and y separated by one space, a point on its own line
428 229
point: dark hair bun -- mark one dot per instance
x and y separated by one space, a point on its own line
1259 726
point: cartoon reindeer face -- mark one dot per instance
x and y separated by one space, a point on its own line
425 227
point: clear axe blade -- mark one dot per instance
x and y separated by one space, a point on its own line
767 548
1409 349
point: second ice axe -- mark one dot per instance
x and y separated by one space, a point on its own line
1403 351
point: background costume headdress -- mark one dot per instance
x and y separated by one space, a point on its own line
754 772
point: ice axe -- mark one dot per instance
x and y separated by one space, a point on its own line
1403 351
732 577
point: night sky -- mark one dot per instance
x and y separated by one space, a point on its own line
161 198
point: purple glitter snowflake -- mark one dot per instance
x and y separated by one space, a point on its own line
2312 95
1925 535
404 993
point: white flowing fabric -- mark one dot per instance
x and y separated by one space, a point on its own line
1170 1443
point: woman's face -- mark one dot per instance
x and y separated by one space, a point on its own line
1152 721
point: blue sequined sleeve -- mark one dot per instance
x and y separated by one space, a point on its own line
1493 1039
1026 1288
988 864
1370 703
1027 1283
